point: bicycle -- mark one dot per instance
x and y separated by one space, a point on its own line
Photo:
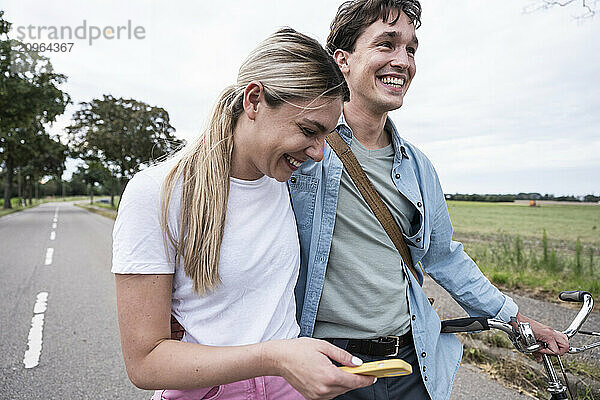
524 340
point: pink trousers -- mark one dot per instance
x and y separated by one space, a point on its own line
261 388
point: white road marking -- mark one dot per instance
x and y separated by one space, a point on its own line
55 219
49 253
54 225
34 340
41 303
52 235
56 212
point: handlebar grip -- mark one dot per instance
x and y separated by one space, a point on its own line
472 324
572 295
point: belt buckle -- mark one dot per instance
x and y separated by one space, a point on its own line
396 345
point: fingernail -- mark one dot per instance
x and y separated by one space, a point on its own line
374 380
356 361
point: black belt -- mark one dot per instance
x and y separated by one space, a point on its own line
384 346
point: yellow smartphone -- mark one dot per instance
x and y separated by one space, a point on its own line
382 368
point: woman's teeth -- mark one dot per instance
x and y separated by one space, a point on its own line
293 161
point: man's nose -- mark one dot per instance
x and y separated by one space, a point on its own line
315 150
401 59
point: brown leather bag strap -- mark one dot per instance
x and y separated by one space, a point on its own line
368 192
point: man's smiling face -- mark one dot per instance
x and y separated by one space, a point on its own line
382 65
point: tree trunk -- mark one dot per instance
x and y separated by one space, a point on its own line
59 191
114 188
8 183
31 191
20 188
91 193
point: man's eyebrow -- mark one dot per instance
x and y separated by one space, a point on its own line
385 35
415 40
393 35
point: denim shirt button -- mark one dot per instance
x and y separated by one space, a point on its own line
414 317
398 177
293 180
423 354
425 378
419 204
424 368
418 240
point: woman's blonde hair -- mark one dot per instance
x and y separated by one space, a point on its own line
290 66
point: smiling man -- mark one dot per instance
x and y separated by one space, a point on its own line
354 288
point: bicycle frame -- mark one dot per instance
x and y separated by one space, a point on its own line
524 340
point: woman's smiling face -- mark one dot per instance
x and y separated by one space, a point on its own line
277 140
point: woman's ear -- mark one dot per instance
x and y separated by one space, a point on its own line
253 96
341 58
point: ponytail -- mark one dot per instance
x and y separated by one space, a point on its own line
291 66
204 169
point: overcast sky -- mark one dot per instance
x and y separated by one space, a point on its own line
503 101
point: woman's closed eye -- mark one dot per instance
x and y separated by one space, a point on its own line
307 131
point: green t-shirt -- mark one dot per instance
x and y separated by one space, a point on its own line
364 293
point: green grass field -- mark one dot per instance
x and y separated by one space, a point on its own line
561 222
508 242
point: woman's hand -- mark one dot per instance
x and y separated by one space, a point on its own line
305 363
154 361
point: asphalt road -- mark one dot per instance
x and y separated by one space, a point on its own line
80 355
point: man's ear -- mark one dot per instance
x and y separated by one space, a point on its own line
341 58
253 96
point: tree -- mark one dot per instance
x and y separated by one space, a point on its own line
29 95
41 156
91 173
122 134
587 8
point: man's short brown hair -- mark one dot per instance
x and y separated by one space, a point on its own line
354 16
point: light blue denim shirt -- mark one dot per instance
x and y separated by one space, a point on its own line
314 191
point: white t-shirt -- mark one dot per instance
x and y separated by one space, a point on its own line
259 260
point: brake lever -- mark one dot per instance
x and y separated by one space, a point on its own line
575 350
524 340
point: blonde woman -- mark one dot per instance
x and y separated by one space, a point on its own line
210 237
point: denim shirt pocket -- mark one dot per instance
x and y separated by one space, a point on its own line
303 191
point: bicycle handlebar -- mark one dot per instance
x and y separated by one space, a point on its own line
522 336
573 295
476 324
586 309
472 324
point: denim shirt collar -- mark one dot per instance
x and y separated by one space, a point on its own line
398 143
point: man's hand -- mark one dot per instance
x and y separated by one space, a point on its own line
557 342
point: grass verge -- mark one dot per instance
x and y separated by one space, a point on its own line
489 351
511 263
109 213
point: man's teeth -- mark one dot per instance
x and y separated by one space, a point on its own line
293 161
389 80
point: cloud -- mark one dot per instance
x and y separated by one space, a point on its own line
496 90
